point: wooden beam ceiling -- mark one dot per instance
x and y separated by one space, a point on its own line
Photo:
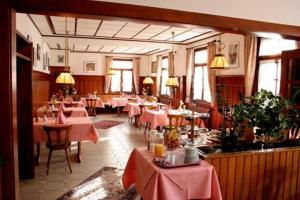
76 22
136 13
50 23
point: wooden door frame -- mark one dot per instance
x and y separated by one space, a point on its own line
97 10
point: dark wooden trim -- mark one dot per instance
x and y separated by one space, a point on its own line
196 37
37 28
181 34
140 31
120 30
50 23
202 40
158 52
101 21
9 181
270 57
149 52
87 48
76 22
99 50
160 32
111 51
116 38
137 13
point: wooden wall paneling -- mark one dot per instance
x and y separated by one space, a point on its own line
258 175
152 87
9 181
238 182
88 84
40 89
294 175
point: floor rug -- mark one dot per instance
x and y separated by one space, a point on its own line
105 124
104 184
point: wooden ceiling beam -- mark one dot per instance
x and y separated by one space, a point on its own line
50 23
100 48
120 30
87 48
140 31
76 22
37 28
179 34
160 33
152 15
99 26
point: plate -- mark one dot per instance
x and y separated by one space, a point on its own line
161 162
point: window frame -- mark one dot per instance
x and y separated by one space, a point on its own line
161 77
196 65
122 70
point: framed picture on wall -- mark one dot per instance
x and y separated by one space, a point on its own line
89 66
154 67
233 55
60 58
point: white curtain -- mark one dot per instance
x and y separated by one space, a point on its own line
250 51
109 61
211 51
189 73
158 75
136 74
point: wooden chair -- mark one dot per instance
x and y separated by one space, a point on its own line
178 122
294 131
91 106
56 140
70 104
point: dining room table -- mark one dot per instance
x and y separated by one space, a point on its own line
118 102
72 103
154 182
99 102
75 111
82 129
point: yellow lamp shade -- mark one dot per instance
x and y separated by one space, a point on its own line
148 80
65 78
219 62
172 82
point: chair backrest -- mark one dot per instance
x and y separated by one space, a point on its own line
177 118
91 102
58 137
294 131
70 104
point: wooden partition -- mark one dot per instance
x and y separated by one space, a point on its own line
88 84
40 89
272 174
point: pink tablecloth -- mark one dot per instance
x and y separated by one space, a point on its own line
76 111
118 102
133 109
82 129
156 118
99 103
154 183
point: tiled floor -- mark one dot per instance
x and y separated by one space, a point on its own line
113 149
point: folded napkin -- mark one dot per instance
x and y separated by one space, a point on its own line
62 107
60 119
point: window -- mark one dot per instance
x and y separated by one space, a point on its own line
122 80
269 70
164 90
201 89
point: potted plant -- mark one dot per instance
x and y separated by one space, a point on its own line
270 115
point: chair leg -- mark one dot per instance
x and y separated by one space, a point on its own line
67 156
49 160
147 127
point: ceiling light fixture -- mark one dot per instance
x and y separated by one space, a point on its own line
219 61
172 80
148 80
66 77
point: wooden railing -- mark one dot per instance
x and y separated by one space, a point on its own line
272 174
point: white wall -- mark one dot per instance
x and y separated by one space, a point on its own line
76 61
276 11
26 28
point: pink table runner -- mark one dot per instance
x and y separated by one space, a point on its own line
76 111
154 183
118 102
133 109
82 129
156 118
99 103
